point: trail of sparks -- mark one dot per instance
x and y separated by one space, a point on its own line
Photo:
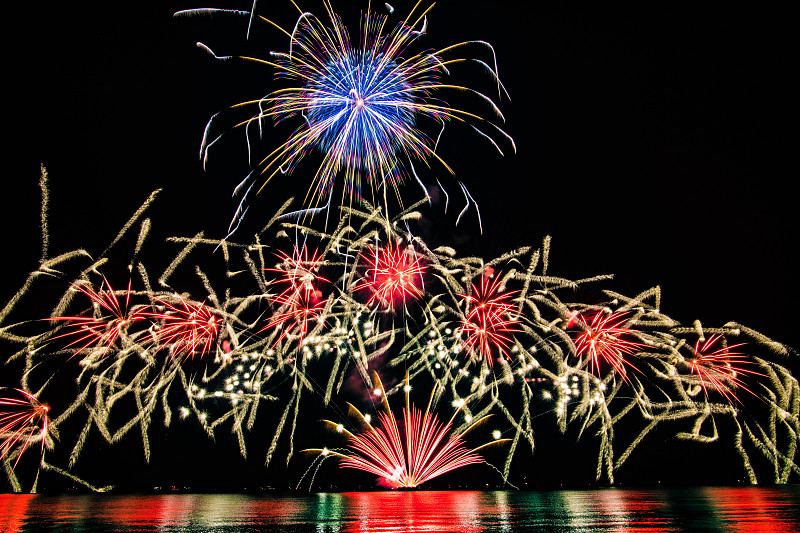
299 273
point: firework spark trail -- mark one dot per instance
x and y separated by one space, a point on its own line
362 104
298 272
247 376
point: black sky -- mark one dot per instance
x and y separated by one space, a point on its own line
650 144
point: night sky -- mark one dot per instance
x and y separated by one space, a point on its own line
651 145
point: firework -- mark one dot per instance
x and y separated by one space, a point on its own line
298 314
187 328
319 346
298 272
101 329
603 339
393 275
718 369
363 104
20 421
488 322
406 458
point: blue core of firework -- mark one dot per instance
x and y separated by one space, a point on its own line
362 106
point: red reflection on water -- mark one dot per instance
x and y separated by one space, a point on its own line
13 510
205 509
412 511
751 509
615 509
632 510
272 510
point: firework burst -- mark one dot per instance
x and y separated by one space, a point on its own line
409 455
298 312
186 328
102 328
488 323
20 421
537 376
603 340
300 304
361 104
719 368
393 275
298 272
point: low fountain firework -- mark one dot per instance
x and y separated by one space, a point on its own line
405 458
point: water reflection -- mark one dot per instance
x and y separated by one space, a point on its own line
752 509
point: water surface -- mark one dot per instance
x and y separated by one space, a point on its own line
748 509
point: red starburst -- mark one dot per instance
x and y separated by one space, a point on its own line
298 312
394 274
719 368
20 420
186 328
108 319
603 339
298 273
300 304
488 321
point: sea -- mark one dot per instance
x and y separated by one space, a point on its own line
746 509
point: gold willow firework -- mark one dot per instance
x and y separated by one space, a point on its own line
362 100
241 353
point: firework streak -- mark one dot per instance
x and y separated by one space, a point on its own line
293 315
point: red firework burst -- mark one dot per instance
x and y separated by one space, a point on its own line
20 421
489 321
102 328
394 275
719 368
187 328
603 340
298 272
408 456
301 302
299 311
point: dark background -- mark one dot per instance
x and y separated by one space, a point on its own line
650 144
